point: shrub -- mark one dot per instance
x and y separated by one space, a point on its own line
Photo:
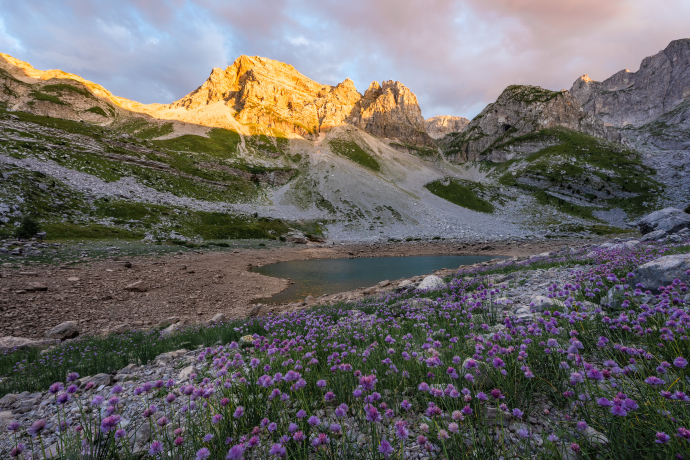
28 228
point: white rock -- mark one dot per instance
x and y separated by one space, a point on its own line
430 283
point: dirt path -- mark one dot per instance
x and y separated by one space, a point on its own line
191 286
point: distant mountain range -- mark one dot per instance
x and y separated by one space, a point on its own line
259 142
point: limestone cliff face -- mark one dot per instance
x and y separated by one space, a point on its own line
636 98
391 110
440 126
273 94
521 110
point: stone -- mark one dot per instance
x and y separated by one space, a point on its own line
656 235
309 300
98 380
185 373
218 318
651 222
661 272
5 418
430 283
169 356
259 310
542 303
120 328
139 442
383 284
8 400
613 299
167 322
63 331
442 125
137 286
404 283
246 341
172 328
9 343
596 438
369 290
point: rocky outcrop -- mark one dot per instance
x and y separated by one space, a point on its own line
391 110
668 220
518 111
636 98
440 126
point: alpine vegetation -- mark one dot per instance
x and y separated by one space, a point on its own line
598 368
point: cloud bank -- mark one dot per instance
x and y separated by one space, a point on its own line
456 55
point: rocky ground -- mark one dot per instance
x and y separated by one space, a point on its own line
192 286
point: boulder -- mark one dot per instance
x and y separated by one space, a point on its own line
172 328
185 373
430 283
668 219
613 299
656 235
138 286
98 380
309 300
259 310
246 341
36 286
9 343
674 224
661 272
169 356
120 328
405 283
63 331
218 318
383 284
167 322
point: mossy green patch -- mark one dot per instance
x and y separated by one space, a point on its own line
39 96
354 152
426 153
155 131
584 166
220 143
69 231
63 87
529 94
98 111
461 193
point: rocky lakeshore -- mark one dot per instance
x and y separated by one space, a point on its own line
555 354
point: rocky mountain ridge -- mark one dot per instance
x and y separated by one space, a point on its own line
442 125
637 98
518 111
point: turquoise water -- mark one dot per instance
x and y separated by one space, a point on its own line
329 276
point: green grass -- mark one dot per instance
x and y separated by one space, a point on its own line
39 96
592 156
62 87
529 94
220 143
57 231
461 194
354 152
155 131
98 111
426 153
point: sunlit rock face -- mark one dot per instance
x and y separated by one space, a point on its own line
275 95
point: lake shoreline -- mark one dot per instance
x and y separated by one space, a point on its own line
192 286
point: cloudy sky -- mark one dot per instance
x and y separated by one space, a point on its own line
456 55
